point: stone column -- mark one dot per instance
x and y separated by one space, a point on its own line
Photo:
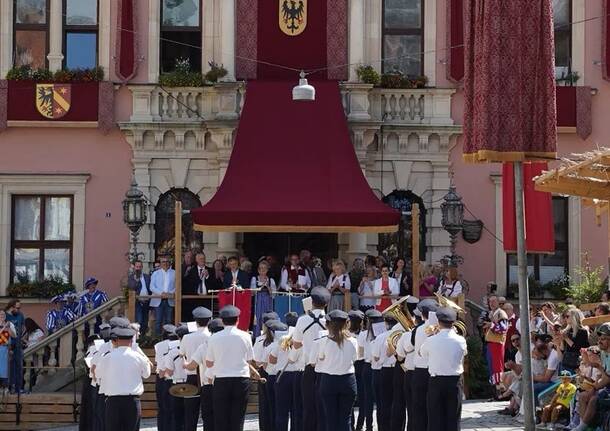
55 55
356 40
6 36
227 37
227 244
500 255
438 237
356 247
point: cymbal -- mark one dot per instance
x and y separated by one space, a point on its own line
184 390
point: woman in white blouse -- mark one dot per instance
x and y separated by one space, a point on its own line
337 354
339 285
384 287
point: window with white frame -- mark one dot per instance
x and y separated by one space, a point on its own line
180 34
30 33
41 237
403 36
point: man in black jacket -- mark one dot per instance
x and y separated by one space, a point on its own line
196 283
139 282
235 275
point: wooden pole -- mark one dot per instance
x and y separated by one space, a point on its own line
415 248
178 260
131 305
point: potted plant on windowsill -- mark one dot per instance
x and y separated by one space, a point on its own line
397 79
64 76
47 288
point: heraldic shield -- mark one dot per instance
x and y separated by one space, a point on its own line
293 16
53 100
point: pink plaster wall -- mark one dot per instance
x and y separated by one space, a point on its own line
107 158
473 181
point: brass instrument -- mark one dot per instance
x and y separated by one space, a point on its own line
460 324
403 316
184 390
286 343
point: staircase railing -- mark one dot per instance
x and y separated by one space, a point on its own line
59 345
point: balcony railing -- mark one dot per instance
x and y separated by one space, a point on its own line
224 101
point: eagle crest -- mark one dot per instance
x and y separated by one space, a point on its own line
293 16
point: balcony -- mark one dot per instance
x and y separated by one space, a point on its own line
224 101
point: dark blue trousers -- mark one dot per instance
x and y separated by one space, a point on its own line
287 403
270 393
263 412
207 408
409 399
338 395
399 406
192 406
320 410
419 394
368 395
308 391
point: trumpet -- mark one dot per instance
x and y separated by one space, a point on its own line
286 343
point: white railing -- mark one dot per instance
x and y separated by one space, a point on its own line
223 101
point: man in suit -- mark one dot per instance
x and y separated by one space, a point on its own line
163 283
196 283
235 275
140 284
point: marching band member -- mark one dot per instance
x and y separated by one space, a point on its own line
445 353
288 398
307 329
122 371
230 353
336 355
198 361
419 382
59 316
90 300
365 340
264 421
273 328
174 368
162 385
188 345
339 285
405 353
263 301
356 318
87 404
383 366
294 276
384 286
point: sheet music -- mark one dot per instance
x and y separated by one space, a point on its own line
192 326
379 328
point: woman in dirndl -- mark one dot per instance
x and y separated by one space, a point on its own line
339 285
495 337
263 301
7 330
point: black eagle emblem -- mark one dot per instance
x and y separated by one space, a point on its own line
45 95
293 14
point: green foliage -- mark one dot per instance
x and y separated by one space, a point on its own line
569 79
535 287
588 286
368 75
181 76
216 72
47 288
558 287
26 73
397 79
477 378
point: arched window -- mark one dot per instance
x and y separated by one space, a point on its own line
164 221
392 245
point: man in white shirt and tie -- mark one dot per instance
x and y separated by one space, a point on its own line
445 353
122 370
230 353
195 283
163 283
188 346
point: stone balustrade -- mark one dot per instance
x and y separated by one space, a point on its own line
224 101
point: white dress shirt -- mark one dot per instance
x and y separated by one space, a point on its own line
199 357
306 336
420 337
258 349
190 343
405 349
445 353
282 358
122 372
231 351
379 352
305 280
337 360
254 284
161 348
392 285
174 362
143 291
451 289
270 368
96 359
203 275
161 282
343 280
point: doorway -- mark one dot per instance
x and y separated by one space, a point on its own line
322 245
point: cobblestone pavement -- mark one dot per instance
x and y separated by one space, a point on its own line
476 416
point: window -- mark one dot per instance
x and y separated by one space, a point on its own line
562 17
31 33
41 237
164 221
80 33
546 268
180 33
403 36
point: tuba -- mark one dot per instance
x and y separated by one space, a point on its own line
402 316
460 324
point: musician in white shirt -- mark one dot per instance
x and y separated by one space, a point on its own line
162 384
188 345
445 352
337 354
383 366
122 372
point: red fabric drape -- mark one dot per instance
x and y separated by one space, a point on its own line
126 62
455 40
509 81
243 301
539 229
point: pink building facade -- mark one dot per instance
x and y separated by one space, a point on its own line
66 179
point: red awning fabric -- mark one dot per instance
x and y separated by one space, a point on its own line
294 169
539 228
